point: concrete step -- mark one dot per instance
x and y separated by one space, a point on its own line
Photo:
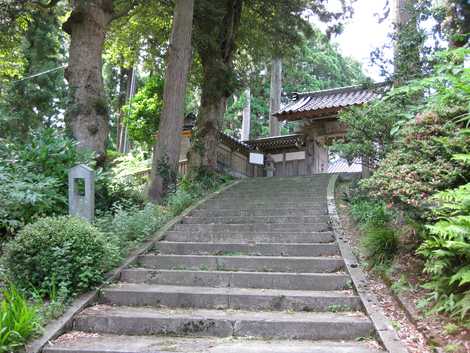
240 279
81 342
272 195
250 237
256 219
255 227
243 263
252 249
220 298
240 205
124 320
270 212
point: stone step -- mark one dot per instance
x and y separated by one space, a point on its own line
250 237
251 197
240 205
255 227
255 219
252 249
124 320
242 263
126 294
271 194
258 212
261 280
81 342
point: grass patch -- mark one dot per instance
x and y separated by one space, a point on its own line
19 320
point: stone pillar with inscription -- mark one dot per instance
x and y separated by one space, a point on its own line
82 192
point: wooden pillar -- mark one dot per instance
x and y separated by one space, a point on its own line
309 154
284 168
275 96
245 135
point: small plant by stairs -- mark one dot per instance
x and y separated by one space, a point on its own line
254 270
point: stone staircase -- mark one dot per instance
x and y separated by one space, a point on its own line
254 270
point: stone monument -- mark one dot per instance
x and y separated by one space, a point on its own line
82 192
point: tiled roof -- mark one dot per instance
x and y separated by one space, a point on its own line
270 144
237 145
328 102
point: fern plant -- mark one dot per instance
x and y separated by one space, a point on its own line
447 253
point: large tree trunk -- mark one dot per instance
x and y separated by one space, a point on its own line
167 148
217 27
407 63
87 115
275 96
203 153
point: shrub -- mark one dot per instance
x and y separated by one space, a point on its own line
26 196
63 251
420 165
369 212
19 321
379 240
33 177
380 244
132 225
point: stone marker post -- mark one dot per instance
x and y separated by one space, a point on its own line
82 192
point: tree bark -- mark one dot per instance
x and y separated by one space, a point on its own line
275 96
87 115
167 148
220 22
407 63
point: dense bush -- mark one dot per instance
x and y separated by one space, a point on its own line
380 244
33 178
421 164
26 196
129 226
19 320
369 212
378 238
59 251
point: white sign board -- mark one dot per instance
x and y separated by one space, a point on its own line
256 158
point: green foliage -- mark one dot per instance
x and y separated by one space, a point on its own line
33 177
129 226
13 26
378 239
142 114
446 250
26 196
42 48
19 320
59 251
380 244
369 212
49 152
420 164
374 127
